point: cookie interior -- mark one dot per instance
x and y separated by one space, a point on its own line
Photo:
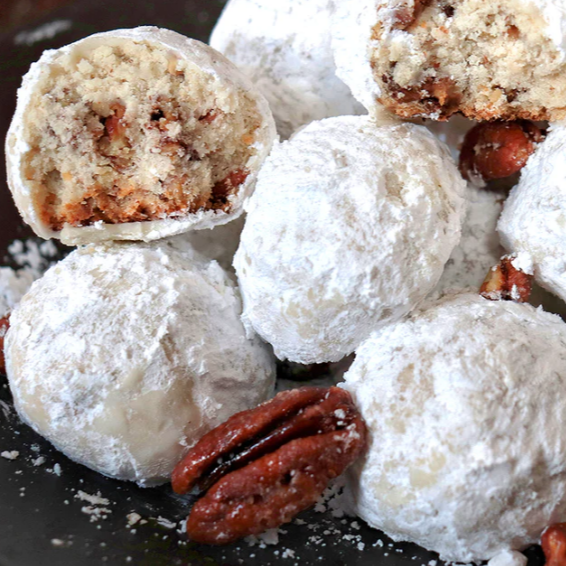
488 60
125 131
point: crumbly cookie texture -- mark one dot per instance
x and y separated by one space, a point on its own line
432 58
342 215
134 135
467 427
284 48
123 356
534 217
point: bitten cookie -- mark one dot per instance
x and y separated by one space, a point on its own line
467 417
283 46
349 228
123 356
134 135
488 60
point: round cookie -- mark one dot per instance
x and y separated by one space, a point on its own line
533 221
342 214
431 58
123 356
284 48
134 135
464 403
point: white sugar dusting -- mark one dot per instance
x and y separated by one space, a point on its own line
10 455
32 260
43 32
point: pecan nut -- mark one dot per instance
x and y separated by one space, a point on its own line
408 12
505 282
4 325
553 543
497 150
266 465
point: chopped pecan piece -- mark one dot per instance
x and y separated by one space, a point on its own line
553 543
505 282
496 150
268 464
223 189
434 95
408 12
4 325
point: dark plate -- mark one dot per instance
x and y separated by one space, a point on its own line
42 522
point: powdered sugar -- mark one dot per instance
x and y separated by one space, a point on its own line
32 259
183 365
325 255
284 47
43 32
461 400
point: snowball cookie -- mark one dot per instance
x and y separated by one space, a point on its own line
134 135
534 217
465 405
350 227
488 60
284 48
124 356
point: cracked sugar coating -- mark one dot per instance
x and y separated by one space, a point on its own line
124 356
488 60
134 135
284 47
342 214
464 403
534 216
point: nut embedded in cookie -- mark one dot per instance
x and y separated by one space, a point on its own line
505 282
489 60
134 134
265 465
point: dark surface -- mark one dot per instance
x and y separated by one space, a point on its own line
36 505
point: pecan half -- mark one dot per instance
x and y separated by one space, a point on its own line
496 150
505 282
553 543
4 325
268 464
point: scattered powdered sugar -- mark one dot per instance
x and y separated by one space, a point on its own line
43 32
32 259
10 455
133 519
92 499
38 461
166 523
269 537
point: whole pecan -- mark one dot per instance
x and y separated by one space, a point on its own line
553 543
496 150
4 325
265 465
505 282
